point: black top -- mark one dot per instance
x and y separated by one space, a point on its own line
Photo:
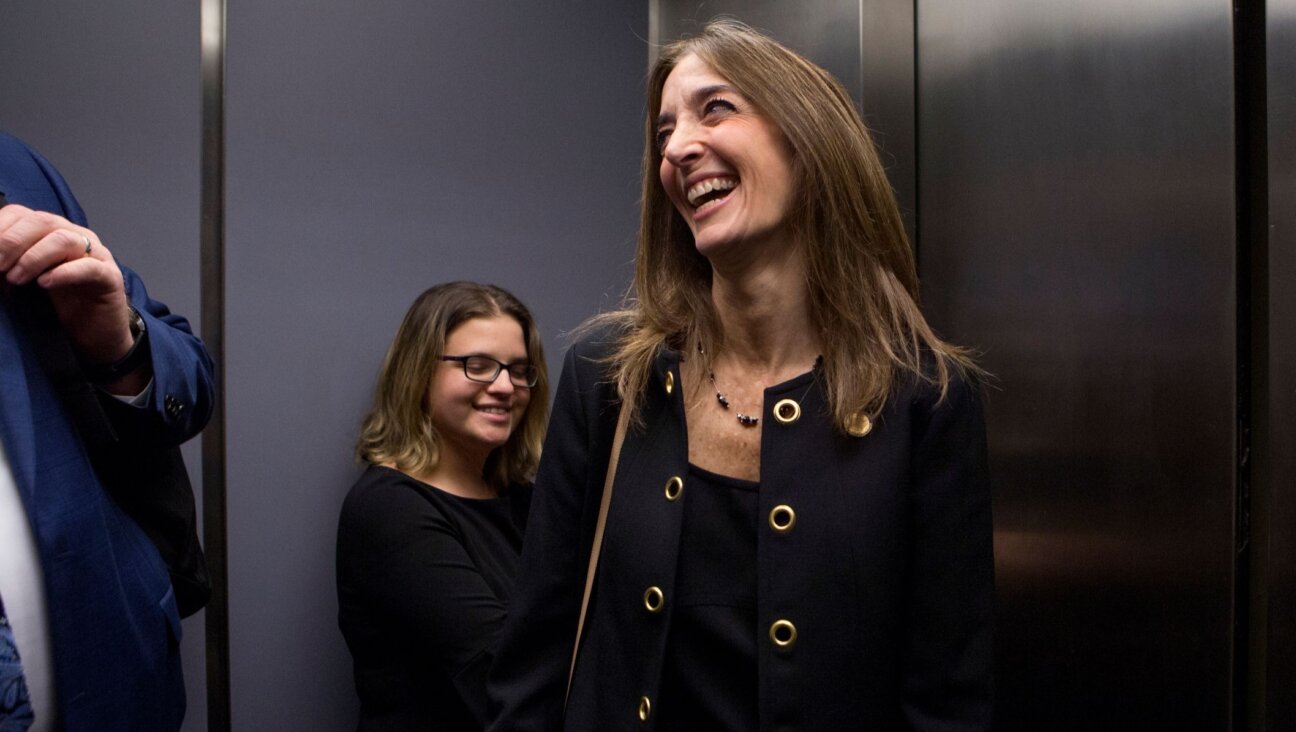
424 579
709 673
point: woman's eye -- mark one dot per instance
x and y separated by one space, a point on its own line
663 136
718 105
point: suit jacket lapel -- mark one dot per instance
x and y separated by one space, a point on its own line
16 409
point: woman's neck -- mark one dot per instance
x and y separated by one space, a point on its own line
764 312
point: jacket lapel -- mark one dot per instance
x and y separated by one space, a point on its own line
16 422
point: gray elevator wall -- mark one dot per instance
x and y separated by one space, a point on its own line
373 150
109 93
1077 223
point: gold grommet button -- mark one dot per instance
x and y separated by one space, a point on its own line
645 708
859 424
783 633
787 411
674 487
670 382
781 518
654 600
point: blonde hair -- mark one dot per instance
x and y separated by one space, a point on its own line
398 429
861 279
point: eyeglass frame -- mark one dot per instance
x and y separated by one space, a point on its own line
499 366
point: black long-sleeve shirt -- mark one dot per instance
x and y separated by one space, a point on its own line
424 579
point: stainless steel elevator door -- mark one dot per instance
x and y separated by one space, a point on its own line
1075 167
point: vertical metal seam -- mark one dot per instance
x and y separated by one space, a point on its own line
917 146
654 31
859 90
1252 196
213 36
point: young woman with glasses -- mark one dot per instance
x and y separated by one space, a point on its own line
430 534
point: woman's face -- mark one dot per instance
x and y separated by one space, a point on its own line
475 418
725 167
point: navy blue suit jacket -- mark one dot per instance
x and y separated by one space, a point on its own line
114 628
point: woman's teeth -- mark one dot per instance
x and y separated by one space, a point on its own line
700 193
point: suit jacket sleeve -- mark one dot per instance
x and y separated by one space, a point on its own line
183 376
183 380
948 670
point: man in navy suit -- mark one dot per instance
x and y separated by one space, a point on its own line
84 594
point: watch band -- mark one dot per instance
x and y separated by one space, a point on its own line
138 355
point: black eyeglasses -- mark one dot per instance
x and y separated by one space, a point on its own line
485 370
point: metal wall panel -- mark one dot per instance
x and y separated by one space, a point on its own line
826 31
887 96
1279 467
1077 219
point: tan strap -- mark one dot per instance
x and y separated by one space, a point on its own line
623 419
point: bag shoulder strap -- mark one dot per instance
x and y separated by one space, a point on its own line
623 420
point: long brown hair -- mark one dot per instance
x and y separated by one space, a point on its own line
398 429
861 279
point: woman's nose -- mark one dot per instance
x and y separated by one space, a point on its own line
502 384
683 146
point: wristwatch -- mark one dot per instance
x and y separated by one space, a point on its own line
138 355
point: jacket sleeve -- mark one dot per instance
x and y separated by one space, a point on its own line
183 391
183 381
948 668
529 679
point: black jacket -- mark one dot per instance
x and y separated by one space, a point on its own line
886 573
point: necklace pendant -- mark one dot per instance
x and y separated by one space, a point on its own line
745 420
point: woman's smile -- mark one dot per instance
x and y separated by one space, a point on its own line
707 194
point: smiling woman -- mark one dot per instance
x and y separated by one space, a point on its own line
798 533
429 536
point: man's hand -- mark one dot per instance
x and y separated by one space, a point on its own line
83 281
